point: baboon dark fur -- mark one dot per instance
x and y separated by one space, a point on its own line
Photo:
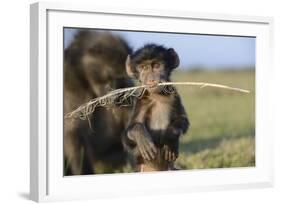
93 63
158 118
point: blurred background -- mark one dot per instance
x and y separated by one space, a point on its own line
222 132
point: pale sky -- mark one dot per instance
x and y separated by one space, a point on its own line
206 51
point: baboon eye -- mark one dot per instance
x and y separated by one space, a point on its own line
145 67
156 65
141 67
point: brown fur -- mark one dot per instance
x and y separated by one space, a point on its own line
93 62
158 118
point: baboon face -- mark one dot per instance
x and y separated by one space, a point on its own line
103 73
97 60
97 70
152 64
152 72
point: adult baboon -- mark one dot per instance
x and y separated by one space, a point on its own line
93 62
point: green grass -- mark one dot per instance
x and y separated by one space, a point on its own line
222 122
222 131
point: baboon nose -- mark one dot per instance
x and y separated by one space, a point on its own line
152 83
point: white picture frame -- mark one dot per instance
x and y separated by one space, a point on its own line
47 182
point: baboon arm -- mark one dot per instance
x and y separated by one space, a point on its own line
140 141
179 125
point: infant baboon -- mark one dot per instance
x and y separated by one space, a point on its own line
158 118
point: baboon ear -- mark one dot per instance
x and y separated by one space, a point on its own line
129 69
174 60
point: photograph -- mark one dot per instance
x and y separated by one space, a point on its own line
146 101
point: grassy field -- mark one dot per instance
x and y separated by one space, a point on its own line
222 131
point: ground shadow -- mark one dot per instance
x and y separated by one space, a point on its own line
24 195
195 146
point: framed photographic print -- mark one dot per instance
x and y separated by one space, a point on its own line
127 102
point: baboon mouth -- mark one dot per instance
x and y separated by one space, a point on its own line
152 85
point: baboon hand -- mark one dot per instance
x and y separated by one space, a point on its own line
169 154
146 148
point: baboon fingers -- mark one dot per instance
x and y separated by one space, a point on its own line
152 152
174 156
143 154
170 156
153 148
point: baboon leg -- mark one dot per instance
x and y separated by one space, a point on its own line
73 151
